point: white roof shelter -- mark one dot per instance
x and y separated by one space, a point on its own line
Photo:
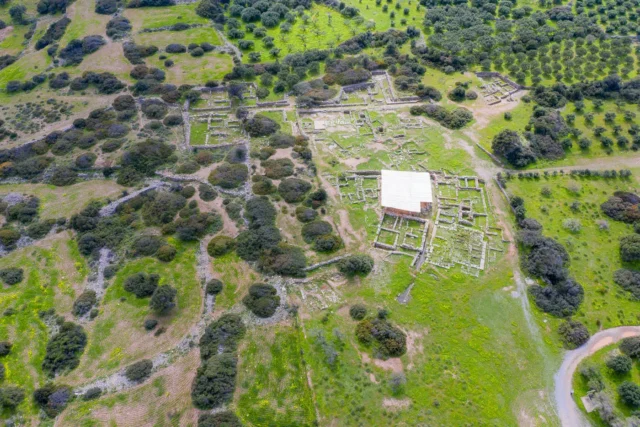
405 191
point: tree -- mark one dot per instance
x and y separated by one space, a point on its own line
573 333
163 299
11 396
139 371
630 248
17 13
631 347
64 349
5 348
620 364
141 284
220 245
262 300
509 145
358 311
359 264
630 394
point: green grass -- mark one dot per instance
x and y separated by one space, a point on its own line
190 70
325 29
611 381
594 253
84 22
236 276
47 284
471 352
25 67
13 43
380 21
272 380
118 336
198 133
56 202
156 17
193 35
520 116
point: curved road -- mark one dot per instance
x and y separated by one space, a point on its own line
570 415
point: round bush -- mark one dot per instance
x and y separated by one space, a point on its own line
85 161
12 275
262 300
355 265
150 324
188 192
92 393
5 348
172 120
221 245
312 230
83 304
139 371
620 364
293 190
207 193
229 175
175 48
214 287
358 311
166 253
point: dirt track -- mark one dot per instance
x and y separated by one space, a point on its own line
568 411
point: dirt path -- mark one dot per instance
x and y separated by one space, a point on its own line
614 162
570 415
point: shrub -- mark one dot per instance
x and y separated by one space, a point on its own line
214 287
508 144
85 160
573 333
251 243
229 176
262 300
146 246
166 253
262 185
278 168
84 302
629 394
9 237
285 260
207 193
630 248
260 212
352 265
141 284
124 102
154 109
281 140
92 393
175 48
305 214
622 206
64 349
573 225
188 192
222 335
215 382
389 341
629 280
11 396
260 125
106 7
293 190
220 245
53 399
327 243
219 419
12 275
620 364
5 348
150 324
63 176
163 299
358 311
173 120
630 346
311 231
139 371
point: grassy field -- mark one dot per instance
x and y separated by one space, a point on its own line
272 384
611 381
56 202
25 67
84 22
325 29
156 17
378 20
52 273
456 363
193 35
195 71
236 276
117 336
594 253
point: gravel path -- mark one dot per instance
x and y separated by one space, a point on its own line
570 415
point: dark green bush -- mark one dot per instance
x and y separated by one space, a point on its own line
207 193
285 260
146 246
53 399
141 284
166 253
215 382
163 299
12 275
139 371
150 324
278 168
221 245
388 340
92 393
84 302
5 348
356 265
358 311
260 125
11 396
219 419
262 300
214 287
222 335
293 190
312 230
229 175
64 349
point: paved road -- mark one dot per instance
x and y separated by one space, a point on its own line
570 415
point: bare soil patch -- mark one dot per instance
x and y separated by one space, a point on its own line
391 403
